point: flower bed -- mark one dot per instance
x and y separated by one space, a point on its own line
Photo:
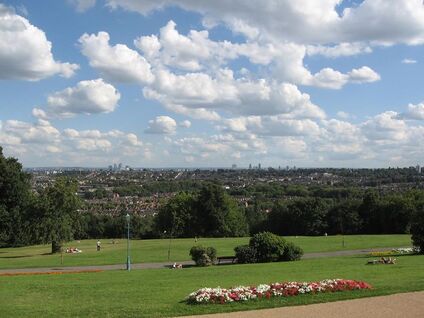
406 250
243 293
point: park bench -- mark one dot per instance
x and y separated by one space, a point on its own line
227 259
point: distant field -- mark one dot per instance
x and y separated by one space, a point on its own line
160 292
143 251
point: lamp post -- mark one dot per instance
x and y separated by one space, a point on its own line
169 246
128 242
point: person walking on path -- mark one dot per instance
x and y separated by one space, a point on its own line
98 246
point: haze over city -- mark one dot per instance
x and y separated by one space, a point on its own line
327 83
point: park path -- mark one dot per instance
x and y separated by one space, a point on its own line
70 269
406 305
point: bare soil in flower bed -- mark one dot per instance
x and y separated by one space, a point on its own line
407 305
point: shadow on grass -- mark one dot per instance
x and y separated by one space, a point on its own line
18 256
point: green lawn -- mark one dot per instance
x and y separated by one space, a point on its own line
160 292
157 250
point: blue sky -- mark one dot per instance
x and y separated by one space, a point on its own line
207 84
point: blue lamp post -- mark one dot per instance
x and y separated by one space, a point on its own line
128 242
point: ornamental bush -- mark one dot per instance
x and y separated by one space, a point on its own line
203 256
268 247
292 252
245 254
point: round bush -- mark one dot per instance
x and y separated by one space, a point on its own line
268 246
292 252
245 254
203 256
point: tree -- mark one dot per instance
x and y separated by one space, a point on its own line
368 212
217 214
343 218
176 217
417 228
299 217
15 201
60 217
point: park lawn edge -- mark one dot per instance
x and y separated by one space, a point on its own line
167 301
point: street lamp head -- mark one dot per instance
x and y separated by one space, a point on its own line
127 216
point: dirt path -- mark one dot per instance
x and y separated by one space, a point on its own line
408 305
167 264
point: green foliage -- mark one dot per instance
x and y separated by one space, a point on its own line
245 254
15 203
203 256
58 206
268 246
343 218
299 217
210 213
217 214
417 229
292 252
176 217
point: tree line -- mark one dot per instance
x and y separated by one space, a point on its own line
52 215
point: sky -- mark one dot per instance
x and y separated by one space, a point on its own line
192 83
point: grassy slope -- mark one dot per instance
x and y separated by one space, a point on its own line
157 250
159 293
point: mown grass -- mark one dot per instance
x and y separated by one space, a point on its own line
160 292
144 251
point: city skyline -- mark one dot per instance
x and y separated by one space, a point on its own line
334 83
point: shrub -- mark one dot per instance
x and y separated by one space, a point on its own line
245 254
211 252
268 246
203 256
417 230
292 252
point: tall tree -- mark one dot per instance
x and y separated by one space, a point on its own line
176 217
61 219
15 199
217 214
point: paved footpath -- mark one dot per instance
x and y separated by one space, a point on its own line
407 305
167 264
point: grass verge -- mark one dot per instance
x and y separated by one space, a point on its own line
160 293
143 251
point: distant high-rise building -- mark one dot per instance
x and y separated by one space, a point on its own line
250 166
259 166
418 168
233 166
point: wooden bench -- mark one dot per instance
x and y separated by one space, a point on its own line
226 259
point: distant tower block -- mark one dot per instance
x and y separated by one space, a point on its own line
259 166
250 166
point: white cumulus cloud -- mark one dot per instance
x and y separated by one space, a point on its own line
25 52
116 63
87 97
162 125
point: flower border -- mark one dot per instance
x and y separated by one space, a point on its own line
243 293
